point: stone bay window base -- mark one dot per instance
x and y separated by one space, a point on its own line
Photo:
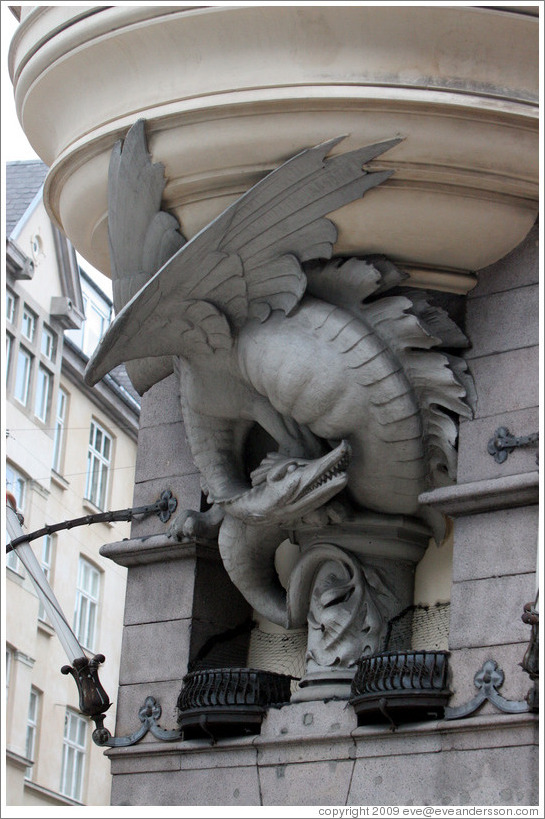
439 106
313 752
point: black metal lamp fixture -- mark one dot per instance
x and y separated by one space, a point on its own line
93 699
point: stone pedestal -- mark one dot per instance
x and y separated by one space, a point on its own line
352 578
230 92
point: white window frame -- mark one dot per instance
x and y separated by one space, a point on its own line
11 306
44 385
99 461
32 728
47 344
60 422
9 662
26 376
87 602
46 562
16 484
29 322
9 351
73 755
94 312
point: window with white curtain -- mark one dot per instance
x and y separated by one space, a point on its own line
46 563
60 422
22 376
97 319
9 349
87 599
32 728
98 465
48 345
16 484
11 304
73 755
44 383
28 324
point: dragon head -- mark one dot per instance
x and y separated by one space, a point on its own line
286 489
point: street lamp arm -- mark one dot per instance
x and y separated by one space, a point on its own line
93 699
164 507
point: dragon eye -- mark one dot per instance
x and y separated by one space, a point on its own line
280 471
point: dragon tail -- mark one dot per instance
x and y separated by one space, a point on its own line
248 555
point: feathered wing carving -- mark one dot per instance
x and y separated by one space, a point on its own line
142 237
246 263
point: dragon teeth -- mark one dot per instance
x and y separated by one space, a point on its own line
335 470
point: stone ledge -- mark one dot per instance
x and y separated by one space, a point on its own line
54 797
157 549
479 732
17 760
485 496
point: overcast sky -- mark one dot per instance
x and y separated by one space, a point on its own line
14 143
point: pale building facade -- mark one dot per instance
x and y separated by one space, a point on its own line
69 452
228 94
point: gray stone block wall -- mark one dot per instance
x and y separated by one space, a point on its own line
164 459
494 556
503 326
314 754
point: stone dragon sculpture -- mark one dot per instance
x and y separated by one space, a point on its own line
274 340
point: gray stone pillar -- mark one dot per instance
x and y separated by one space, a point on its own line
495 504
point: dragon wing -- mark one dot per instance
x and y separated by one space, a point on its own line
142 237
244 264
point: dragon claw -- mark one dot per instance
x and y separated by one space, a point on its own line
192 524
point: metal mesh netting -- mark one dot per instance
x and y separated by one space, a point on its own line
224 650
419 628
248 645
283 652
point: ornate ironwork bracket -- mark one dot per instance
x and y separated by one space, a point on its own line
94 702
149 715
530 661
164 508
488 679
503 443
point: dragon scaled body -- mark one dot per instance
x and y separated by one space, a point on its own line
349 384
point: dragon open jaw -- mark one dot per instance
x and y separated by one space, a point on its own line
285 489
338 469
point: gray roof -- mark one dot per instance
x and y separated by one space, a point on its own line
23 181
120 376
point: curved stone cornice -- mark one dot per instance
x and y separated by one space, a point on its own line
231 92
